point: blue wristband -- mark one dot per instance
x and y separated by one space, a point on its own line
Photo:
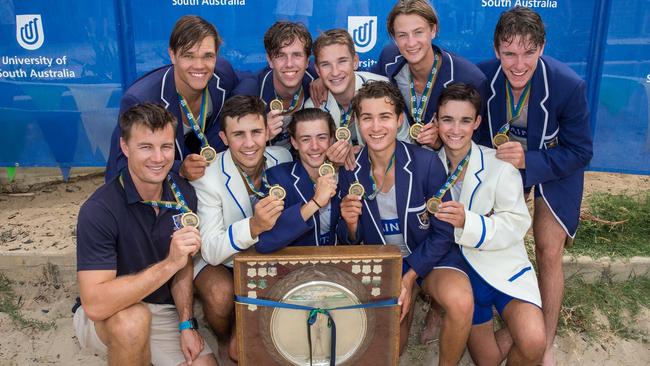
188 324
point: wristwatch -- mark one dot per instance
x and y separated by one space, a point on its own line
190 323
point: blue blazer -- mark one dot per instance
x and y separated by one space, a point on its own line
454 69
418 176
158 86
291 229
559 139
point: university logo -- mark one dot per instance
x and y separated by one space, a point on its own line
29 31
363 31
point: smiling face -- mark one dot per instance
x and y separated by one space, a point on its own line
289 65
150 154
194 67
518 60
336 68
378 123
413 36
457 121
311 140
246 138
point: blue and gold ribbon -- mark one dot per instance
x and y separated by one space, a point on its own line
179 204
514 109
251 184
453 177
418 109
197 124
346 116
313 315
376 190
294 101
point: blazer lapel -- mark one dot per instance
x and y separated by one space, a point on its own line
496 103
267 91
305 189
169 96
235 185
403 183
537 111
473 177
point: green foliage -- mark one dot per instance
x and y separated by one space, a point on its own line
9 306
627 239
619 303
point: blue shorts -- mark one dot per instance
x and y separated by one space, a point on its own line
485 296
452 260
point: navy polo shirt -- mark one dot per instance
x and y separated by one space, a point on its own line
115 231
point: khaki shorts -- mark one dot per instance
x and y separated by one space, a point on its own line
164 339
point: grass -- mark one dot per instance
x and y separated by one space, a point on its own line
631 238
9 306
619 303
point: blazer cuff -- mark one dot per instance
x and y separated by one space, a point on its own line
473 233
239 235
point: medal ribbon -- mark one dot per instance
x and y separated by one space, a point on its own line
514 110
451 179
251 184
418 109
294 101
376 190
313 316
197 124
179 204
346 116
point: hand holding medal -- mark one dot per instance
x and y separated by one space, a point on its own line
433 203
198 125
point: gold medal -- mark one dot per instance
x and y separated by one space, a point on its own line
414 131
432 205
356 189
276 105
277 191
209 154
343 133
190 219
500 139
325 169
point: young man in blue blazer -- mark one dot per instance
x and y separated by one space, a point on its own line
311 205
398 179
286 78
539 105
194 87
419 68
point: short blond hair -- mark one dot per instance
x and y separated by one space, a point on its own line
333 36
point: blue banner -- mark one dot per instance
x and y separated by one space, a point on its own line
65 64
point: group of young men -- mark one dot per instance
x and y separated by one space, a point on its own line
427 152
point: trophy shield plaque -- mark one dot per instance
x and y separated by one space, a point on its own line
325 277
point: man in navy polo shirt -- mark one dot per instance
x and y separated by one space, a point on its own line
134 264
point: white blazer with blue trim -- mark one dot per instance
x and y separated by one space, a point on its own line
496 221
225 209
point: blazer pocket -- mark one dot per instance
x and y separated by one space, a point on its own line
551 141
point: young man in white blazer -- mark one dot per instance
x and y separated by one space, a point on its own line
232 209
490 219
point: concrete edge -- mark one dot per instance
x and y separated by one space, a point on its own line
62 267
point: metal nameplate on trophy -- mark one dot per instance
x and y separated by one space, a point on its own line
327 277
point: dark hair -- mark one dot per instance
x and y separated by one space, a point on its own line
152 116
462 93
415 7
240 106
310 114
378 89
519 21
333 36
282 34
190 30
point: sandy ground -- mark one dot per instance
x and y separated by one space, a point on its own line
43 221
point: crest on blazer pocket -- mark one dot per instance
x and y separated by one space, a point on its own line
423 219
